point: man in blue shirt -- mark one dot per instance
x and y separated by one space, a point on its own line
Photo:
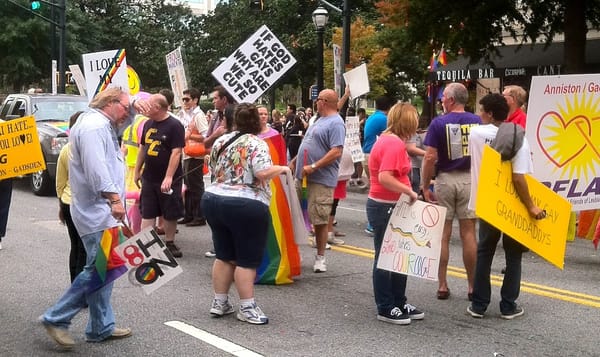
375 125
97 179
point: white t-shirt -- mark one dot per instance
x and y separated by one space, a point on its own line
478 138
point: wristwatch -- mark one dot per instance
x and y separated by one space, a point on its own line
313 166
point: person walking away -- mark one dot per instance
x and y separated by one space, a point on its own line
446 151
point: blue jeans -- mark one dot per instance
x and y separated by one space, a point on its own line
389 288
511 286
101 323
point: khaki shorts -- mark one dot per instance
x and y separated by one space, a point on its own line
453 190
320 200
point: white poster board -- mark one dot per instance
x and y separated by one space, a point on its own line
150 263
253 68
563 130
105 69
177 76
352 142
358 80
77 75
413 239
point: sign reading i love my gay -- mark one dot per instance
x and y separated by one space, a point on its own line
563 129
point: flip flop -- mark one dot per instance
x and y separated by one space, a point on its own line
443 295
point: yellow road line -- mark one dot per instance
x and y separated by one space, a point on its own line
496 280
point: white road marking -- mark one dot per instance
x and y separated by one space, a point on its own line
213 340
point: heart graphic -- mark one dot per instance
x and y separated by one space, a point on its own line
578 127
22 137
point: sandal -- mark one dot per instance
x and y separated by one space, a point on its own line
443 295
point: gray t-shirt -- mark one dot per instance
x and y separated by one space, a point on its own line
326 133
416 160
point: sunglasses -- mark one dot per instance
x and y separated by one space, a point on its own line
186 99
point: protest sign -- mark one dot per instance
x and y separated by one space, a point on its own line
105 69
499 205
177 76
358 80
563 128
413 239
352 142
337 69
150 263
78 77
20 150
253 68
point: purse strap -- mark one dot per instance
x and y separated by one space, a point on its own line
234 138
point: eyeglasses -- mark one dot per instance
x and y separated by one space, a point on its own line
322 99
186 99
126 107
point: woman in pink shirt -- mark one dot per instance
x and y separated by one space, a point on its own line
390 167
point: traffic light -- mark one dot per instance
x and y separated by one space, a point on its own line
257 5
35 5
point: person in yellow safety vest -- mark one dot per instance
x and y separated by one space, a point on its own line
130 143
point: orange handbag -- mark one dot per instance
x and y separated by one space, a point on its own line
194 148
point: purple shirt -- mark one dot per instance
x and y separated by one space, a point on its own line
449 134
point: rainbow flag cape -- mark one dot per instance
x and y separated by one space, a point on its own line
586 226
108 266
281 259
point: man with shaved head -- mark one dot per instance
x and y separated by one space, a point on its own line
318 159
160 156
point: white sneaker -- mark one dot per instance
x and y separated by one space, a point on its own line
313 243
0 245
319 266
332 239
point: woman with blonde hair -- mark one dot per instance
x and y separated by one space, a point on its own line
390 168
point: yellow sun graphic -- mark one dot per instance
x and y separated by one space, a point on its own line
570 136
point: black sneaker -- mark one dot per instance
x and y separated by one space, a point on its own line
473 313
518 311
175 251
396 317
413 312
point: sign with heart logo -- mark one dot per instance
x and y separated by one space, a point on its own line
20 150
563 128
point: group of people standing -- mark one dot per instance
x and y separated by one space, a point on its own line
241 167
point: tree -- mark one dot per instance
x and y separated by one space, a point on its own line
476 28
364 48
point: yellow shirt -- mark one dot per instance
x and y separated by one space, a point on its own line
63 190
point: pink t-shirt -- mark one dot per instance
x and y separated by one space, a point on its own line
388 154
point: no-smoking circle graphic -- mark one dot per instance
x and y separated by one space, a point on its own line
430 216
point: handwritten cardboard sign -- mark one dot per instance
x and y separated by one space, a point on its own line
255 66
177 76
20 150
413 239
499 205
352 142
150 263
563 128
105 69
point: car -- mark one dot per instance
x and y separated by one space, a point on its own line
52 113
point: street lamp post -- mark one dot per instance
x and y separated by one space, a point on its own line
320 17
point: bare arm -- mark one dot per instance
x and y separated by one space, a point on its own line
391 183
271 172
344 98
174 161
413 150
523 193
139 162
329 158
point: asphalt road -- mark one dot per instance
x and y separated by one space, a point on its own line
330 314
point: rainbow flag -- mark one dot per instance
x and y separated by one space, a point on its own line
281 260
108 266
588 221
106 78
442 60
